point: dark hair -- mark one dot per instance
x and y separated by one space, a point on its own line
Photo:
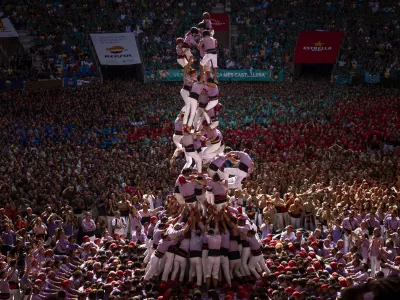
206 33
194 30
216 177
206 15
186 171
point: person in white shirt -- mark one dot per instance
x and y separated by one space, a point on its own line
118 224
288 234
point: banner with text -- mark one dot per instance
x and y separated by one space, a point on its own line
220 22
317 47
7 30
116 49
223 75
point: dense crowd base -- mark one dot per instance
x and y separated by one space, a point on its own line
86 176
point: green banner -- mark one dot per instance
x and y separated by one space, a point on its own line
223 75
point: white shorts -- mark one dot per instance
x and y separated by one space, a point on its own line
182 61
188 54
210 58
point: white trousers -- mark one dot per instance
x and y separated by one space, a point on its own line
225 269
295 222
179 198
245 257
196 157
213 264
204 255
209 106
185 96
212 173
196 269
152 267
182 62
237 180
198 118
15 294
190 111
109 224
179 265
279 222
210 58
210 151
169 261
375 265
256 262
150 250
177 141
235 267
211 200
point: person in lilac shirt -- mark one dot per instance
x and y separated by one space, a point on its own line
62 243
138 236
8 238
362 275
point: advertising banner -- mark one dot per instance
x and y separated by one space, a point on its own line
115 49
220 22
317 47
70 81
224 75
7 30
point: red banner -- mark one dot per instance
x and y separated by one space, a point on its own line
220 22
315 47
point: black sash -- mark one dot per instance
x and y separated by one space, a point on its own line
194 96
182 253
187 88
189 148
234 255
243 167
177 132
176 190
213 167
194 253
256 252
198 192
214 252
158 254
212 51
190 199
219 199
224 252
202 105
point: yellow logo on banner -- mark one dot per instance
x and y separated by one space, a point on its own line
319 44
116 49
2 27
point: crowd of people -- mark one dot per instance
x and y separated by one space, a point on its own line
266 35
86 175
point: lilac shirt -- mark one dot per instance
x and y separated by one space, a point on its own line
244 158
189 39
219 161
213 92
8 238
196 242
214 241
197 87
164 245
208 43
178 125
88 225
216 188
